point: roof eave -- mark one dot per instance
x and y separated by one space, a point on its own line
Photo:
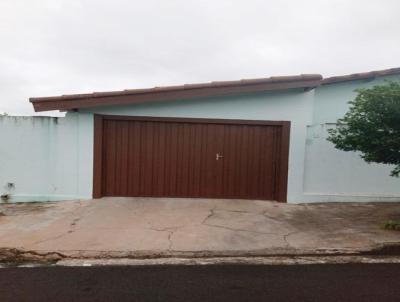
360 76
185 92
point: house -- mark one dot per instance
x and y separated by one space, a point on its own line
253 139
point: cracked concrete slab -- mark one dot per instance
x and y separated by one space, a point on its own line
152 227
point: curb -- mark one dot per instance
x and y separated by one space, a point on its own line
15 256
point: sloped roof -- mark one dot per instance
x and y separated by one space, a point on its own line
168 93
361 76
192 91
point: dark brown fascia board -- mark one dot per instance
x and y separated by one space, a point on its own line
170 93
360 76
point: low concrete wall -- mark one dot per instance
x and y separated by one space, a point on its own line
40 158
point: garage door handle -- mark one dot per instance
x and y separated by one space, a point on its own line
218 156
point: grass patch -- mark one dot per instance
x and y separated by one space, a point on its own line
392 225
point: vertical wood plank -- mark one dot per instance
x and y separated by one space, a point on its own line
184 160
174 160
161 155
123 158
148 175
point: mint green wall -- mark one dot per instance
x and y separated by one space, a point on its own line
46 158
331 101
24 153
334 175
294 106
52 158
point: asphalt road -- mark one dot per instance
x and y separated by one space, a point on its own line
339 283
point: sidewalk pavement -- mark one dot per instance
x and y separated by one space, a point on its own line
111 228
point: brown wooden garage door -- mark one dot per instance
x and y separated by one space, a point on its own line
163 157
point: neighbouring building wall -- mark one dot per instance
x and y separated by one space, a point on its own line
334 175
46 158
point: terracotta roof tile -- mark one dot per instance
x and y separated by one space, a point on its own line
190 91
166 93
360 76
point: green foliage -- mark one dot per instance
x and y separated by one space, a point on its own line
372 126
392 225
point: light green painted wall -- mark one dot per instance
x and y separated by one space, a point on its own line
331 101
334 175
294 106
52 158
47 158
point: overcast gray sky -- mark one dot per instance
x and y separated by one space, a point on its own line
53 47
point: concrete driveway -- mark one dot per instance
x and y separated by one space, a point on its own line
157 227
